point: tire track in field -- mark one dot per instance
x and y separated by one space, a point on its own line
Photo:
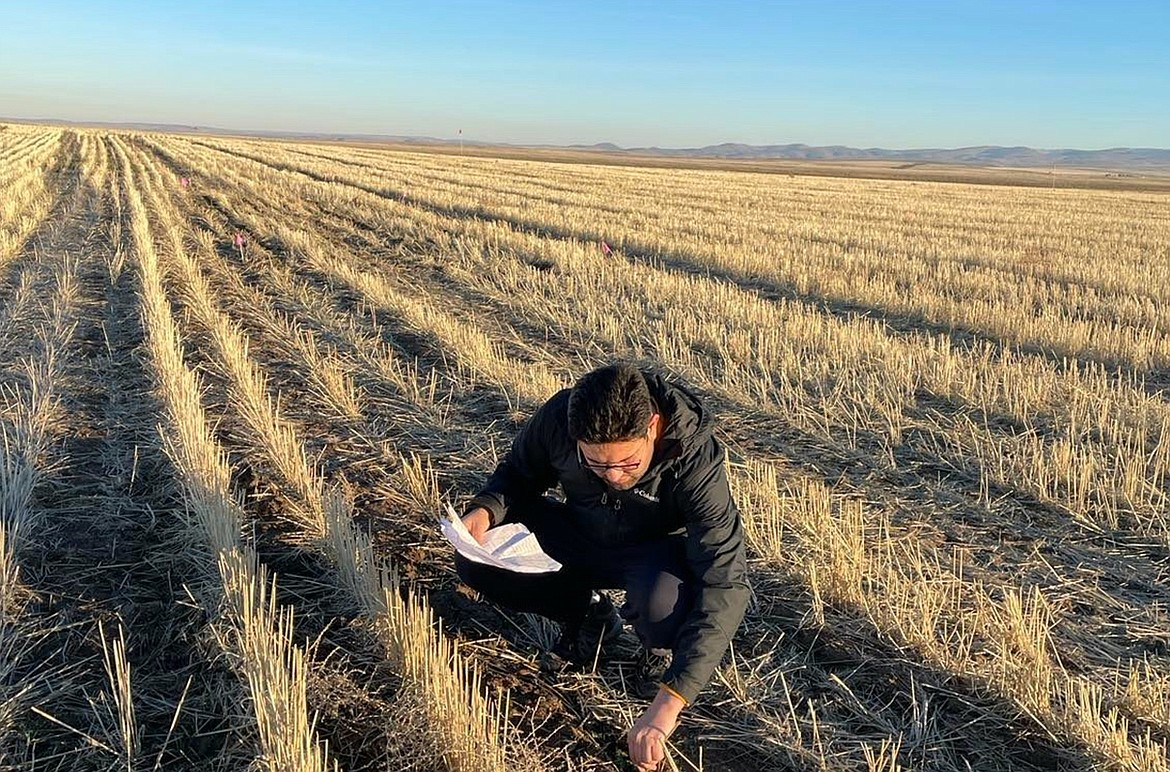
35 351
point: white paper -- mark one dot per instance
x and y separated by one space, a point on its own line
511 547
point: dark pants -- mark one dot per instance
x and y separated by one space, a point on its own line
659 586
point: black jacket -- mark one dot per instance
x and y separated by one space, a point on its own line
685 490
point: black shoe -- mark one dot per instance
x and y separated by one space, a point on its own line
581 641
649 672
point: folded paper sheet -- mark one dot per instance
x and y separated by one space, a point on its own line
511 547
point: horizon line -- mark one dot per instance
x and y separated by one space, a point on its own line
573 145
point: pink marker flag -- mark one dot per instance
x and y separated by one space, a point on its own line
239 241
605 248
185 182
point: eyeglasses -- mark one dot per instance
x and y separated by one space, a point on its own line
593 466
625 466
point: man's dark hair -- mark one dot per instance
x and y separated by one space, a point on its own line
610 404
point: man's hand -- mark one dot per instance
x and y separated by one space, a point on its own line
647 738
478 521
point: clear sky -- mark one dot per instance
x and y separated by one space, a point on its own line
669 73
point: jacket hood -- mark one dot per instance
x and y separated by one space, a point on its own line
688 424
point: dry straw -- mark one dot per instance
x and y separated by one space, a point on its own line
253 630
471 731
1080 437
26 154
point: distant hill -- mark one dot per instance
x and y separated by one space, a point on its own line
983 155
1133 158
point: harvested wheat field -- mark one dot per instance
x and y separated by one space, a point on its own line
240 378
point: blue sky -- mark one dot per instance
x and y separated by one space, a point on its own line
681 73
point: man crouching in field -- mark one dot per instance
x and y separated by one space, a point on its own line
648 510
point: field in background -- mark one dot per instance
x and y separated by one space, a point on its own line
1152 179
240 377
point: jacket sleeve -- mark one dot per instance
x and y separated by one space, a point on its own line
526 471
715 553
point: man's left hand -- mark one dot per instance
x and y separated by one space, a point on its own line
647 738
647 745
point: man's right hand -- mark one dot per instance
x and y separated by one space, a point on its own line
478 521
